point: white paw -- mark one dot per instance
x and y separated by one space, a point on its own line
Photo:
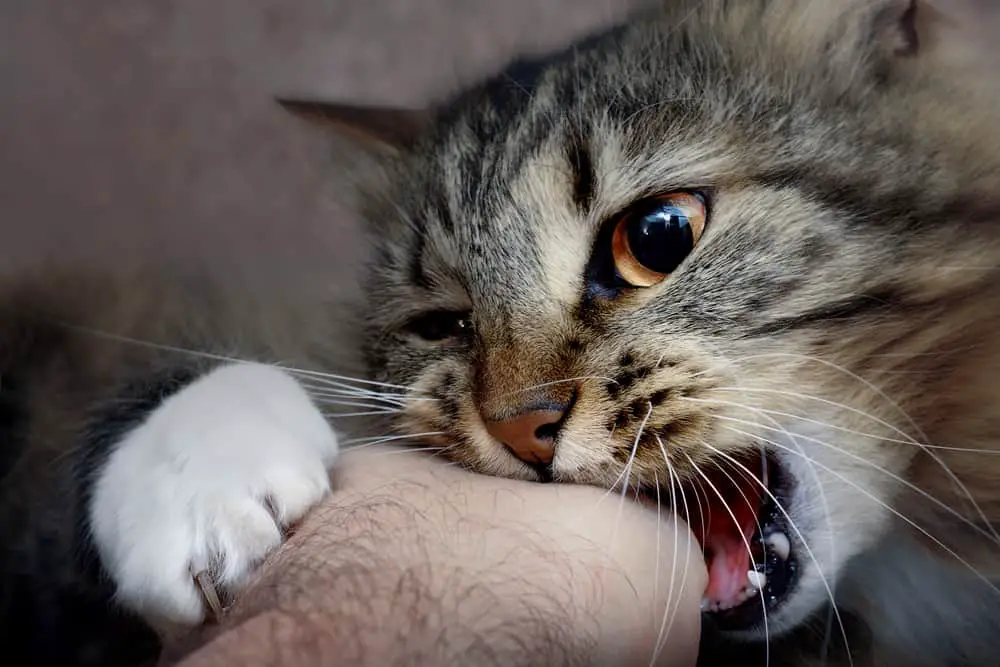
194 486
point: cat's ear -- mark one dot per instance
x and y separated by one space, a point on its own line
381 130
954 37
898 27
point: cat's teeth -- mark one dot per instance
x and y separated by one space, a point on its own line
779 543
706 604
756 580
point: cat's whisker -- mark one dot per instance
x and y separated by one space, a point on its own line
746 542
129 340
331 407
319 384
844 371
923 436
791 524
669 616
320 388
948 471
362 400
359 443
928 355
766 414
355 404
369 413
628 470
351 393
812 470
406 435
821 400
618 480
334 378
413 450
989 534
306 377
656 568
745 474
844 429
354 392
992 586
162 347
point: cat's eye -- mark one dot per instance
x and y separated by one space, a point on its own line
439 325
652 238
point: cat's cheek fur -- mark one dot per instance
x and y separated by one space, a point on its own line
194 487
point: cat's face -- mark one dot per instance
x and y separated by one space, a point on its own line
683 250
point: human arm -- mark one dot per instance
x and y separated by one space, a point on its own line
414 562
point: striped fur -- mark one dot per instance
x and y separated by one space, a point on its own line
845 285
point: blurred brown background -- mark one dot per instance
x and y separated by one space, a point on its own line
131 126
148 125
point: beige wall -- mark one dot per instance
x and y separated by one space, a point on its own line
150 120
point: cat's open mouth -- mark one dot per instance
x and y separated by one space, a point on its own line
751 564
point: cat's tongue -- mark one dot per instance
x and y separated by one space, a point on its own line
727 525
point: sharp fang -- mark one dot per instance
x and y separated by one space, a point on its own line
706 604
779 543
756 580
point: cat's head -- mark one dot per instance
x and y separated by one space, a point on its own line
728 233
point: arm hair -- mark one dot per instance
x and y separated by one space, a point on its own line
362 583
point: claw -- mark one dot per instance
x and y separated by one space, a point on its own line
203 580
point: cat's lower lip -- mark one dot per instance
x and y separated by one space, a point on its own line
771 574
773 562
775 566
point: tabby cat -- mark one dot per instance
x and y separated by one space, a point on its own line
740 255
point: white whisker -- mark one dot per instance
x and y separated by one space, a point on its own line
948 471
860 459
746 542
669 616
628 470
798 533
888 507
411 450
358 443
844 429
368 413
355 404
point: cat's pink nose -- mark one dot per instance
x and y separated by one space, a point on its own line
531 436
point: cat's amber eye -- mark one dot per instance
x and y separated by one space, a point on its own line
653 237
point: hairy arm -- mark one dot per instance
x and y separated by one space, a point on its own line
413 562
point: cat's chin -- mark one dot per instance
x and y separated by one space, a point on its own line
742 524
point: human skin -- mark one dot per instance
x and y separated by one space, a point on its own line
412 561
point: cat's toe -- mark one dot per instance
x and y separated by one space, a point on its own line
244 531
292 493
226 536
153 573
239 535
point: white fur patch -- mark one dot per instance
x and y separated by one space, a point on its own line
191 486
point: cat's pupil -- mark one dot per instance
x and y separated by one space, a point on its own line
440 324
660 237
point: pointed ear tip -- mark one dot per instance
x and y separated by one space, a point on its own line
297 105
909 27
389 128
